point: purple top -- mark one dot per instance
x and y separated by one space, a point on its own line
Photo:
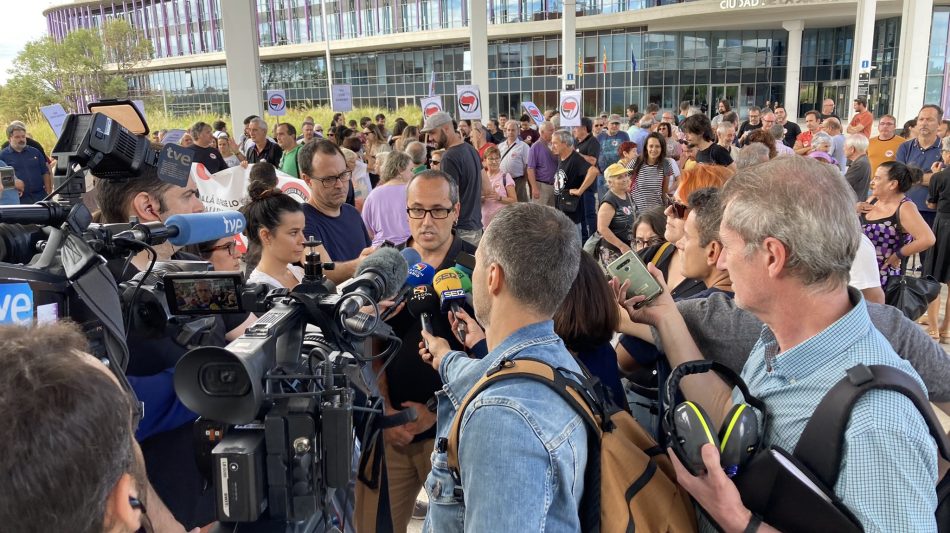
888 236
543 162
384 214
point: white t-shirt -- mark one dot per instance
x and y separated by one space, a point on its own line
864 271
258 276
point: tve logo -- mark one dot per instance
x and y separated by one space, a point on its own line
16 303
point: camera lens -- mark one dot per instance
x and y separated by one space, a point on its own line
224 379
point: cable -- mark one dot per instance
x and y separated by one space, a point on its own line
135 293
66 180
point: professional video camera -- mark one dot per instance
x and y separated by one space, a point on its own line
292 388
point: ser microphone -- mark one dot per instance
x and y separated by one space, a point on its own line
378 277
192 228
448 285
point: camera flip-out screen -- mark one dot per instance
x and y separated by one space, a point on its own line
204 293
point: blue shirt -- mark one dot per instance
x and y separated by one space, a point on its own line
889 467
30 167
610 148
522 449
913 155
343 236
640 137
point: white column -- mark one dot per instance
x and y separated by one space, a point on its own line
568 44
916 18
793 68
478 44
863 45
243 61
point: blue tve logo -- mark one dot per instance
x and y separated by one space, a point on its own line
16 303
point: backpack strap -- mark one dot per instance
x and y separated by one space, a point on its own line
822 442
661 253
580 396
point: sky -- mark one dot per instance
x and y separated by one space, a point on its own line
17 26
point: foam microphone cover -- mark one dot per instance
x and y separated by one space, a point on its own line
390 266
194 228
410 255
422 300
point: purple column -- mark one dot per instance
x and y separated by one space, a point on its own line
191 48
165 23
272 16
291 22
212 15
306 14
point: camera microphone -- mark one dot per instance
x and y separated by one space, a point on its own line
192 228
378 277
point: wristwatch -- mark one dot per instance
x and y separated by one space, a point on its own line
432 404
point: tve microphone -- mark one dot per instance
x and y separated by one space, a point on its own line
193 228
378 277
448 286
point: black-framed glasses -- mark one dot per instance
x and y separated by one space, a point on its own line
677 209
438 213
329 181
652 241
231 247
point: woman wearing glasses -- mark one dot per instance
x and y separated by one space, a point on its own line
222 254
649 229
275 223
383 209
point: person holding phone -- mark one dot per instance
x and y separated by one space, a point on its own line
615 215
11 186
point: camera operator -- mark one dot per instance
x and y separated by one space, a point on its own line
168 454
69 440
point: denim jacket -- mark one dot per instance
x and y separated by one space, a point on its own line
522 449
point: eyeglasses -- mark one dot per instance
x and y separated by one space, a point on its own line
329 181
231 247
643 243
437 213
677 209
436 162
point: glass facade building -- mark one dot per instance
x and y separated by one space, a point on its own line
615 67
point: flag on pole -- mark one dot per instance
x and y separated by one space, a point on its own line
580 63
432 84
605 59
633 59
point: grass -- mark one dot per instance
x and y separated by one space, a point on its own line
157 119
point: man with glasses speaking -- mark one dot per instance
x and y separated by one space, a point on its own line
329 218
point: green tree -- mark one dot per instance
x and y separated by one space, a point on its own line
126 47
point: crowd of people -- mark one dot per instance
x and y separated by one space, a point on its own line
773 245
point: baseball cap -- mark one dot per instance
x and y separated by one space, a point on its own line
436 120
219 134
616 170
613 119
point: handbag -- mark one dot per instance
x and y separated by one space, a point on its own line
911 294
567 202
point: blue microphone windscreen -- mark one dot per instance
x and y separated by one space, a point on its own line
420 274
194 228
411 255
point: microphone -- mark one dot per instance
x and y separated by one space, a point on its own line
448 286
422 304
465 263
192 228
378 277
410 255
419 274
464 278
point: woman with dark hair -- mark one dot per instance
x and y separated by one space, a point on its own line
892 221
221 253
937 263
338 120
673 149
398 128
651 174
275 224
648 229
910 129
589 339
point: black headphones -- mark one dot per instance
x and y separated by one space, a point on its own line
688 427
